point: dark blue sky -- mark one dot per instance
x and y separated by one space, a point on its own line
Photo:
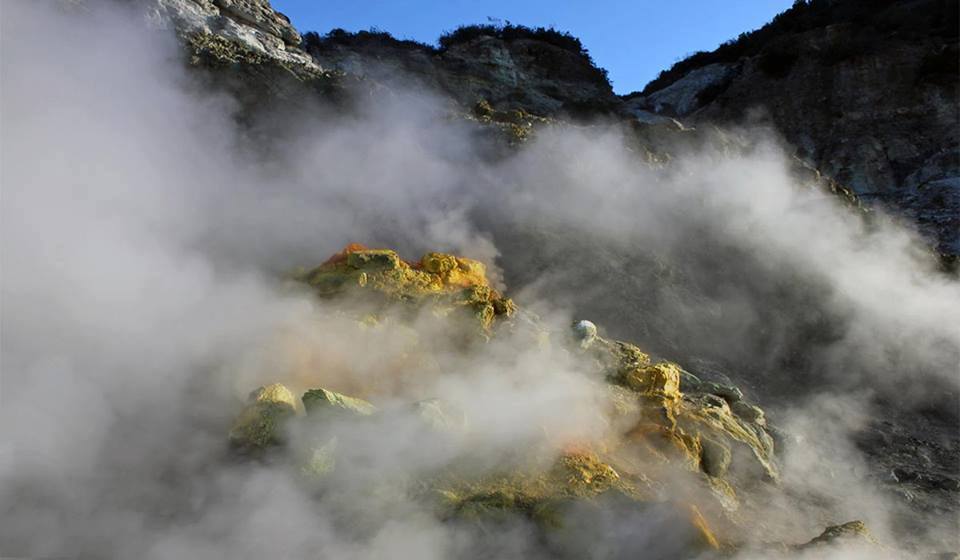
633 40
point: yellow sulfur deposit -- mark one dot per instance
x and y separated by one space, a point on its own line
444 281
664 426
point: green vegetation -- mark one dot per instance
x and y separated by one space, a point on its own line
465 33
313 42
511 32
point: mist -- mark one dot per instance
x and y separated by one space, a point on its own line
145 239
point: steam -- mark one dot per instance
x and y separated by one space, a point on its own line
144 234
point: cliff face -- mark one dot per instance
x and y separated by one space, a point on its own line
252 24
867 94
540 71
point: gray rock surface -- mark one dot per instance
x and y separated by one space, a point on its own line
682 97
510 74
252 24
870 103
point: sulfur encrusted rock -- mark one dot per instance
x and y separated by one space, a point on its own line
665 424
261 423
444 282
698 429
532 490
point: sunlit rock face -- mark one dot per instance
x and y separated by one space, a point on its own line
448 282
251 24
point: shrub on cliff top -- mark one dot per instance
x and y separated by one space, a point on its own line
373 37
509 32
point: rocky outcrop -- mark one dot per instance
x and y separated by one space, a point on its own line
668 428
684 422
446 282
665 423
251 25
261 423
683 96
867 97
250 52
516 71
867 94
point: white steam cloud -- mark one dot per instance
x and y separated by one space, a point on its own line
144 234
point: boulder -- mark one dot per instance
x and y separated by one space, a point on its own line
714 457
585 333
322 401
261 423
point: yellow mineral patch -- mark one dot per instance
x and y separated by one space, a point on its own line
660 419
696 432
708 539
275 393
720 422
529 490
585 472
455 271
661 379
448 280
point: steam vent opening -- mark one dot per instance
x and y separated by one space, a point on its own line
502 291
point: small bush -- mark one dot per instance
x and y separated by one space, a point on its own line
465 34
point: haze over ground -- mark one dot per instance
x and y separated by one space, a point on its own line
147 235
